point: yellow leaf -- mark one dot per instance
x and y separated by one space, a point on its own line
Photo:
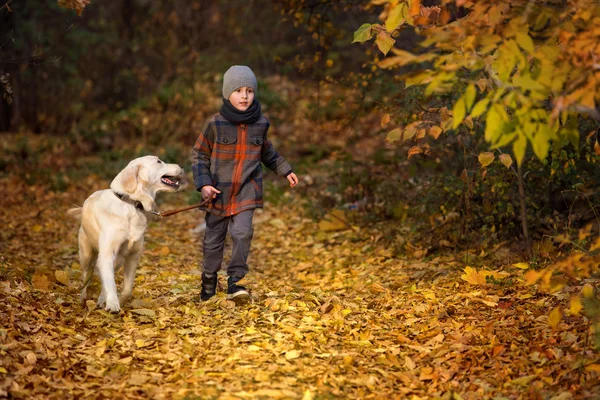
164 251
576 305
470 95
519 147
479 108
554 317
486 158
395 17
532 276
469 122
521 265
413 151
384 42
506 160
458 111
588 290
144 311
596 244
307 395
593 367
410 130
140 343
524 40
90 304
523 380
409 363
474 277
62 277
597 148
334 221
377 288
385 120
292 354
435 131
482 84
395 134
3 370
39 281
36 228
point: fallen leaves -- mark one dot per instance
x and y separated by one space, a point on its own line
40 281
62 277
336 314
479 277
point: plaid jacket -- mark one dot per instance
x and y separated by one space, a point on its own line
228 157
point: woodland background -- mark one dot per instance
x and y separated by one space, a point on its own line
420 205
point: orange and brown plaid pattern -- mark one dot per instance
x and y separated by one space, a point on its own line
228 157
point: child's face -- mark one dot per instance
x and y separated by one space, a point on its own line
242 98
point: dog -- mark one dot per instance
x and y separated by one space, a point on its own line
113 222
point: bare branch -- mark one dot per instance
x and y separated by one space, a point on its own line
32 59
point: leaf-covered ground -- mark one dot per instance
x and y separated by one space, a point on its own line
335 315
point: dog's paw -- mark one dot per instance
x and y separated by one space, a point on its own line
101 300
113 306
124 298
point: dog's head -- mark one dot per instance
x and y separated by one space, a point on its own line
144 177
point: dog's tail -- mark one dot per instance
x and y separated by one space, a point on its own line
75 212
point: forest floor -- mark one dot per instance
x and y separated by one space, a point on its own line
335 314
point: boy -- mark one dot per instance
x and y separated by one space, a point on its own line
226 163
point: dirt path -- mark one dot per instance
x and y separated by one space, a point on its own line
335 315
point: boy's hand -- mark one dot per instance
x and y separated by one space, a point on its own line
293 179
209 192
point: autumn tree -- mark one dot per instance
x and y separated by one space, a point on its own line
527 70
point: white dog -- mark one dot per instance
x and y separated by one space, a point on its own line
113 222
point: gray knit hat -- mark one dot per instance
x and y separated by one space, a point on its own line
236 77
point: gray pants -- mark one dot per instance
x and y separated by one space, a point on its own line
240 226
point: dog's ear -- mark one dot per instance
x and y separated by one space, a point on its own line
126 181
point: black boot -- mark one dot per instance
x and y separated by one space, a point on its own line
209 287
236 292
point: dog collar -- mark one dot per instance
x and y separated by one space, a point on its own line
123 197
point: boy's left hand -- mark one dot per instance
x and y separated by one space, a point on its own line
293 179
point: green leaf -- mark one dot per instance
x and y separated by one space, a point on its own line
384 41
362 34
480 108
396 17
525 41
519 148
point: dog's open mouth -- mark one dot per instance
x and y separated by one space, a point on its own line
170 181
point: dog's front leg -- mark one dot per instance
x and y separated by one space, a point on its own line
131 262
106 270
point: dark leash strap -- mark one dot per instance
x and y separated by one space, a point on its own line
137 204
177 211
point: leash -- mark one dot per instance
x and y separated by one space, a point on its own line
161 215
